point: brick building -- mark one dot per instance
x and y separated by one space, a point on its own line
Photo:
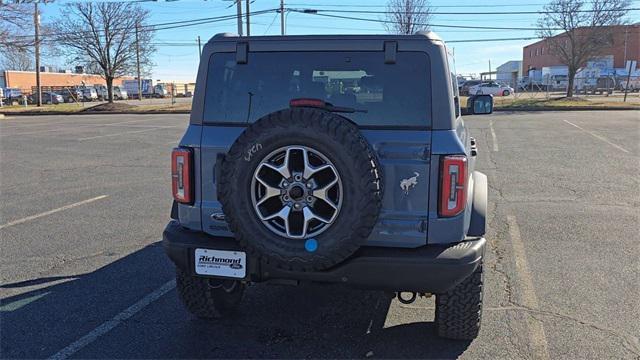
25 80
626 46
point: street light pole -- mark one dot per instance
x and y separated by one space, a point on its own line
239 9
281 17
248 20
138 63
36 21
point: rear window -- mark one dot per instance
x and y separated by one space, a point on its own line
391 94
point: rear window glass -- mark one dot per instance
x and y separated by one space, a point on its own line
391 94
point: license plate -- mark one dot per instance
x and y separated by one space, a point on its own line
221 263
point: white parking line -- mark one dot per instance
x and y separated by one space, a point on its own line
66 207
77 126
529 299
493 136
115 321
21 125
598 137
125 133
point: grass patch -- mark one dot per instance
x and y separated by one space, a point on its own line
182 106
98 108
562 102
73 107
111 107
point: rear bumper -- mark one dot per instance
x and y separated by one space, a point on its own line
432 268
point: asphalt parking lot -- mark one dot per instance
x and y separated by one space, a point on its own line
84 200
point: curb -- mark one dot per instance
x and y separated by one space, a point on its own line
35 113
577 108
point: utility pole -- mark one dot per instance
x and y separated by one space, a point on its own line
239 8
281 17
626 33
138 62
199 47
248 20
36 22
489 69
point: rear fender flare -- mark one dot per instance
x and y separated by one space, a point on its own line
478 223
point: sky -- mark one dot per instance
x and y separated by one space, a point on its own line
176 58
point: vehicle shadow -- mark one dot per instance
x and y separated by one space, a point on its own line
311 320
317 321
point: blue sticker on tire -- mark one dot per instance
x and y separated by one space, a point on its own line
311 245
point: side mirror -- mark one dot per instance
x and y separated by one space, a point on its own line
480 104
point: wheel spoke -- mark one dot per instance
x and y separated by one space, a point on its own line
282 214
309 215
283 169
308 169
322 193
270 191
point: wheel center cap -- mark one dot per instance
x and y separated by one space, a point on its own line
296 192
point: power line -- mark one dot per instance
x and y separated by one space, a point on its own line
540 12
438 6
425 24
164 26
499 39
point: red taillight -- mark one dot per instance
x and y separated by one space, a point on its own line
453 185
181 175
305 102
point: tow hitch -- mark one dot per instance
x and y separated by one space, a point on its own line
407 297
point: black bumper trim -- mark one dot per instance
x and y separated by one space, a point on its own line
432 268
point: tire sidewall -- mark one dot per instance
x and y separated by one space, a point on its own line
334 241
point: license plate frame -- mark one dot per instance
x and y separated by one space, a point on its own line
220 263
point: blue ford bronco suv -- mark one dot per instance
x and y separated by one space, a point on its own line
335 159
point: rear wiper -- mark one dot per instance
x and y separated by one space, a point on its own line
321 104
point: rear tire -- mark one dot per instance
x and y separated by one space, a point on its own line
459 310
506 93
208 298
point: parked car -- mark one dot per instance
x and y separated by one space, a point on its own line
634 84
491 88
103 94
120 93
48 97
13 96
89 94
315 183
464 88
71 95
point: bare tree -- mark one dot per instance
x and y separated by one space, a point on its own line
585 30
16 59
408 16
103 35
14 17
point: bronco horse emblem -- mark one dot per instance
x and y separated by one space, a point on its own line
410 183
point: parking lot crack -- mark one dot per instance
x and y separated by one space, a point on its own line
629 342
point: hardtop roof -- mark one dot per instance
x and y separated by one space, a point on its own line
419 36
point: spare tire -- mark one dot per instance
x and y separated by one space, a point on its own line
301 189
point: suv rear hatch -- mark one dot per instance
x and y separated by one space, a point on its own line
392 99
